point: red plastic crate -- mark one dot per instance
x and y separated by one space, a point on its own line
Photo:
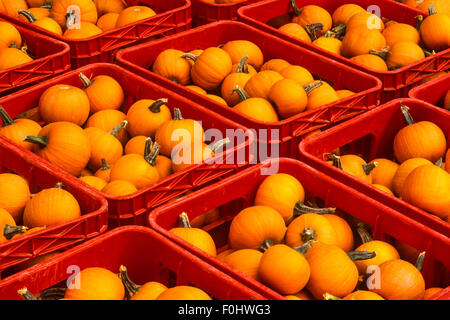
132 209
237 192
287 133
172 16
39 175
372 136
152 258
51 58
204 12
433 91
396 83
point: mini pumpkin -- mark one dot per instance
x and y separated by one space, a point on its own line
145 116
148 291
170 64
237 49
104 92
289 98
256 108
133 14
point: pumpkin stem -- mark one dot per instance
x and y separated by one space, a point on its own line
6 119
27 295
383 54
151 151
11 231
329 296
310 87
52 294
13 45
338 31
308 234
59 185
266 245
297 11
105 165
131 288
336 160
85 80
48 4
431 9
156 106
439 163
363 233
420 260
243 66
177 114
218 145
191 56
312 29
429 53
184 220
408 118
116 130
301 208
361 255
369 167
30 16
41 141
419 22
241 93
305 247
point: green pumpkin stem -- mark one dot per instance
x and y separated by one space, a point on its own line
408 118
13 45
52 294
243 66
191 56
329 296
420 260
336 160
27 14
6 119
301 208
218 145
59 185
363 233
312 29
338 31
177 114
419 19
431 9
297 11
184 220
41 141
105 165
369 167
85 80
131 288
156 106
312 86
383 54
11 231
48 4
117 129
361 255
305 247
440 163
27 295
241 93
266 245
151 151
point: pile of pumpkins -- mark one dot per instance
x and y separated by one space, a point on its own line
238 76
22 213
86 134
418 175
307 252
97 283
93 17
366 39
13 50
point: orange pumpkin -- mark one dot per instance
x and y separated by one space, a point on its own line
10 36
60 12
329 43
289 97
62 102
320 94
119 188
107 120
401 32
12 7
404 170
297 73
13 57
277 65
240 78
430 292
237 49
296 31
64 144
404 53
184 293
356 166
361 41
400 281
7 219
146 116
246 261
384 172
96 284
94 182
104 92
50 207
255 108
356 295
344 12
364 21
108 21
253 226
310 226
343 232
436 38
104 172
86 30
423 139
18 130
284 269
108 6
260 84
371 61
133 14
312 14
44 22
170 64
148 291
197 237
